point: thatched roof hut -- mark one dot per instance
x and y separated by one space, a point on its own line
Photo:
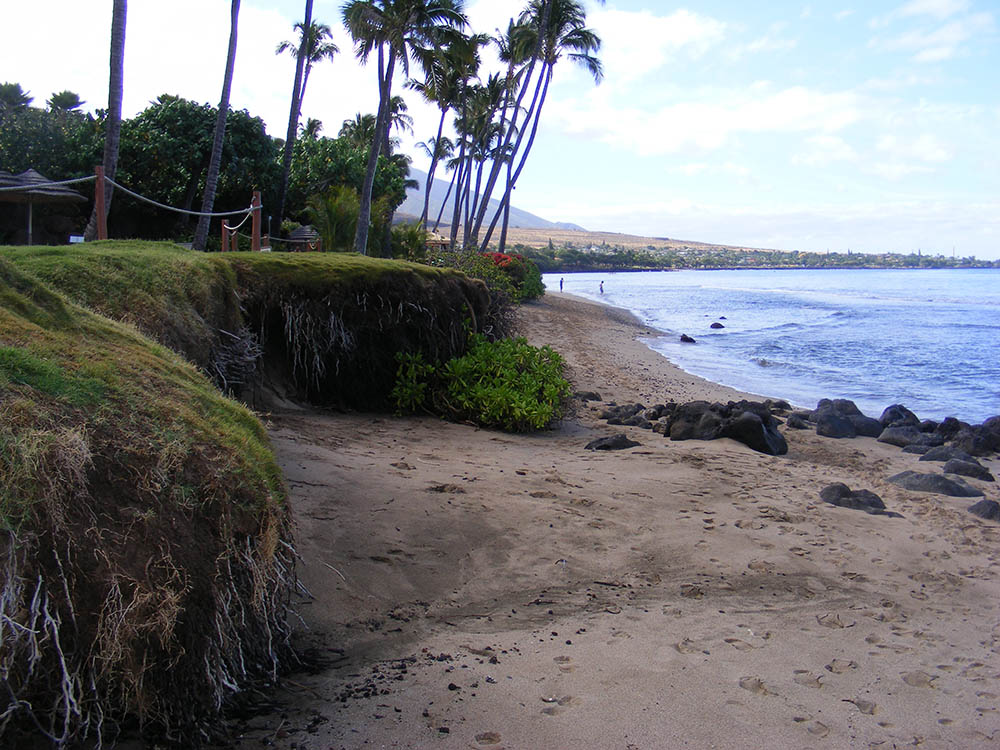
31 187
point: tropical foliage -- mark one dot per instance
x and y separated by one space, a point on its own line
507 384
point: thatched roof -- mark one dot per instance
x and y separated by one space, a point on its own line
32 191
303 234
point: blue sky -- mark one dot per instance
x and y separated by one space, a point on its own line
794 125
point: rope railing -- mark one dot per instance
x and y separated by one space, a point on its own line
54 183
150 201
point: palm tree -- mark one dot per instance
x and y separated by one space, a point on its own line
318 48
561 29
113 120
436 149
293 122
12 96
393 29
215 162
312 128
360 131
65 101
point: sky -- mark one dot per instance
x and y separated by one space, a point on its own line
866 126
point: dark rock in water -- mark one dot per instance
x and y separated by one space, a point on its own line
968 469
685 339
832 425
716 325
777 405
988 509
946 453
865 426
722 317
990 430
919 449
928 425
912 480
972 442
588 396
841 495
748 428
613 443
901 436
795 422
898 415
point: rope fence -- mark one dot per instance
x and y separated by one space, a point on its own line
34 186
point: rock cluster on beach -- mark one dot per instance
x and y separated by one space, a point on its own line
749 422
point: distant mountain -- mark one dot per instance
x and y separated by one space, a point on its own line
414 205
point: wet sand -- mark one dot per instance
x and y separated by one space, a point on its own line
475 589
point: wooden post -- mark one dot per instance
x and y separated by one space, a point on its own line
225 237
255 222
102 214
234 240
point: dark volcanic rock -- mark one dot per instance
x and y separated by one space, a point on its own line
841 495
946 453
777 405
695 420
988 509
898 415
613 443
795 422
920 449
901 436
685 339
588 396
912 480
928 425
951 427
716 326
968 469
866 426
973 442
749 429
623 412
832 425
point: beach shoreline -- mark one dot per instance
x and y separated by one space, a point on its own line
472 588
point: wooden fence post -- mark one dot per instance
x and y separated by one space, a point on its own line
102 216
225 236
255 222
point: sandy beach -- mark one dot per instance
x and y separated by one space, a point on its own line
475 589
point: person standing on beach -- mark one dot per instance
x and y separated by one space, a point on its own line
560 284
602 287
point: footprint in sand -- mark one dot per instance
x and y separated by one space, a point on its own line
918 679
488 738
756 686
565 663
865 707
557 704
687 646
739 645
818 729
840 666
804 678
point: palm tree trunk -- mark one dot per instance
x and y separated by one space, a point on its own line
215 163
365 209
539 99
293 123
113 122
431 169
454 176
507 135
302 91
506 214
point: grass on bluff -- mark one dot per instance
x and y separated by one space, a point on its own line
324 326
144 538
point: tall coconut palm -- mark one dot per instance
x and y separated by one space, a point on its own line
319 47
392 29
562 31
360 131
312 128
113 119
215 162
436 149
293 122
443 66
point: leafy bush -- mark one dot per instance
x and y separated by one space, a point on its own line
409 242
334 214
500 321
507 384
523 274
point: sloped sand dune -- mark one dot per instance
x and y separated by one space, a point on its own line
474 589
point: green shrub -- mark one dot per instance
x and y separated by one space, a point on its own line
523 274
334 215
507 384
409 242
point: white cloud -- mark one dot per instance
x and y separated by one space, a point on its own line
707 120
895 171
925 147
637 43
825 150
843 14
772 41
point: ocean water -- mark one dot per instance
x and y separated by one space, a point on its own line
928 339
